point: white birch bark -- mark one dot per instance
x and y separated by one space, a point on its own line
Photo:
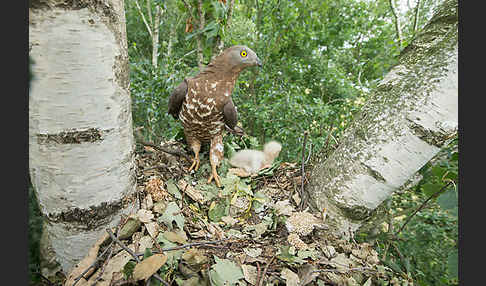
80 92
410 116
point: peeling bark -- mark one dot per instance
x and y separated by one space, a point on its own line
81 147
410 116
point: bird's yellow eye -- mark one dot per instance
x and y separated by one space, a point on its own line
243 53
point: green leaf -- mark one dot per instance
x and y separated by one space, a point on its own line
172 213
217 210
225 272
287 254
172 188
438 171
430 188
128 269
147 253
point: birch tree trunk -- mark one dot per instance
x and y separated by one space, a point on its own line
81 147
411 115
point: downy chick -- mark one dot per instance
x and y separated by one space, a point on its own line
253 161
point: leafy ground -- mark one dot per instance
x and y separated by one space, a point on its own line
249 232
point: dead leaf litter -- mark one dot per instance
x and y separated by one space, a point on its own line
248 232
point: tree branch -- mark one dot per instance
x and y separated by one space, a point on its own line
143 17
155 38
397 23
149 12
122 245
200 56
434 195
229 13
415 18
302 194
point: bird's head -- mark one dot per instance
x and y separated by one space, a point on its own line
239 57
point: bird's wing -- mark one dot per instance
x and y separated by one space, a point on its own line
230 114
176 98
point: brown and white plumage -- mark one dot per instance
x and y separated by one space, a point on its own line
203 103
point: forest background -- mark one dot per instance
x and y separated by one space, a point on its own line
321 60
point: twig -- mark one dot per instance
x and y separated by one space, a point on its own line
45 278
415 18
188 6
122 245
92 265
186 246
310 152
259 272
348 269
328 136
143 18
180 60
398 27
160 148
155 167
265 271
402 259
302 201
434 195
104 266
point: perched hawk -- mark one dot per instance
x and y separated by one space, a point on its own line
203 103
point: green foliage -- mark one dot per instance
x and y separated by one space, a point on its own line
320 60
225 272
427 246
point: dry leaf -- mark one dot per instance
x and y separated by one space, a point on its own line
290 277
179 236
155 187
190 191
131 225
145 216
341 262
86 262
301 223
116 263
148 203
284 207
195 256
295 240
228 220
296 198
152 228
250 273
307 274
252 252
148 266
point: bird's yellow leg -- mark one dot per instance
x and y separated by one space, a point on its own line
215 158
195 163
196 146
215 176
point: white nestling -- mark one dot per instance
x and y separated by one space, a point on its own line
253 161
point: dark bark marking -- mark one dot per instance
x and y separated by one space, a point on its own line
72 136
